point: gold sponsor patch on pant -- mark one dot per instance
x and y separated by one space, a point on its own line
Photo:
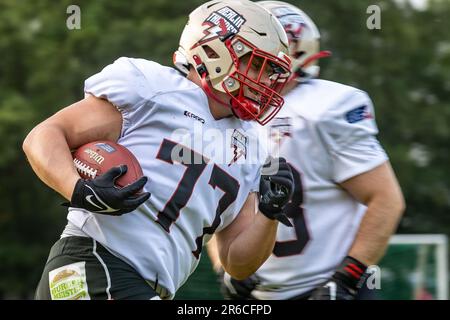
69 282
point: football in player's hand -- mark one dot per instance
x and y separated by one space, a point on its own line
95 158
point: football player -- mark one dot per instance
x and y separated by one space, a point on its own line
346 202
122 244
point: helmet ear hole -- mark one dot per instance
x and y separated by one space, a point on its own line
210 53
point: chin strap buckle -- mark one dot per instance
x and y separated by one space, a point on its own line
201 68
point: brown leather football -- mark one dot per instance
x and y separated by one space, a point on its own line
95 158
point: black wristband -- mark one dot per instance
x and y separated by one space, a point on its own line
351 272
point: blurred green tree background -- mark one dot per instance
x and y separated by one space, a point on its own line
404 66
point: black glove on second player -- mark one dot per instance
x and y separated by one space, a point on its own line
344 284
102 196
276 190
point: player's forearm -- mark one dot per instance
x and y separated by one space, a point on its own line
379 223
251 248
49 155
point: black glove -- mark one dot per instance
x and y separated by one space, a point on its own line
344 284
276 190
233 289
102 196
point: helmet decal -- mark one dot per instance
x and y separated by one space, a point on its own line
292 22
223 24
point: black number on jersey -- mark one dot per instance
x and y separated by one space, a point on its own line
183 193
294 211
194 169
230 186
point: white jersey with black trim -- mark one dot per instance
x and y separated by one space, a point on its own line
327 132
168 126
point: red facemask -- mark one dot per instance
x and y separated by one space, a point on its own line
267 101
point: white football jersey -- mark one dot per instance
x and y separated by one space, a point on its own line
326 131
168 126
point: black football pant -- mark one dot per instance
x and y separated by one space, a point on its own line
81 268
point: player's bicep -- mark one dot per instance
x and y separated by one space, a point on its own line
360 156
87 120
378 182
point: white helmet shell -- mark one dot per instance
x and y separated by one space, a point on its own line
303 35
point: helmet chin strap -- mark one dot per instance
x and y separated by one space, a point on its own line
317 56
244 113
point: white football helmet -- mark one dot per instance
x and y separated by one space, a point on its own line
218 34
304 39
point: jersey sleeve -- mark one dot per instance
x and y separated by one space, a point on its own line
256 177
124 85
255 184
349 130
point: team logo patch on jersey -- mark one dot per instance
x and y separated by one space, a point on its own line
222 23
69 282
239 143
358 114
280 128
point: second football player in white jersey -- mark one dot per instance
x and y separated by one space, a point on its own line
346 202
